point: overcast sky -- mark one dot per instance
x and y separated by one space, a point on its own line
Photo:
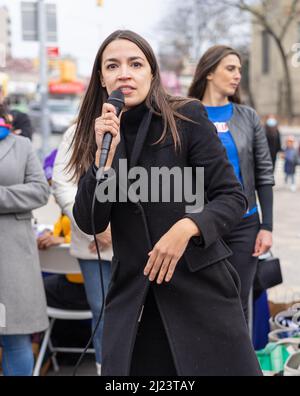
82 25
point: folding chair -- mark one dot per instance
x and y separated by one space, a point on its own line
57 260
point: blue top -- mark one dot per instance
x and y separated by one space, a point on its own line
4 131
220 115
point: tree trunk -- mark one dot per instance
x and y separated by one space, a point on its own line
289 91
251 98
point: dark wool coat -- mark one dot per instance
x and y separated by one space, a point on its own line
200 306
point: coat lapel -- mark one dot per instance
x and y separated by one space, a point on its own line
140 138
138 145
120 154
234 126
5 145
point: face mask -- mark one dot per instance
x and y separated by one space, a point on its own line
271 122
4 131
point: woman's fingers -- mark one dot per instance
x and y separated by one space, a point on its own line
163 269
109 128
257 247
109 114
153 264
108 108
167 251
156 267
264 248
107 122
171 269
263 243
150 263
102 126
160 266
41 245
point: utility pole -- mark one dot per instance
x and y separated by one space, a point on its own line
195 32
43 83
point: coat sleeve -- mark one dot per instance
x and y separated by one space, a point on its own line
32 193
278 141
225 201
82 208
262 157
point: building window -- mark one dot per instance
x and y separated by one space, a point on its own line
265 52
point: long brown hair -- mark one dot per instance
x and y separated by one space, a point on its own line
83 145
208 64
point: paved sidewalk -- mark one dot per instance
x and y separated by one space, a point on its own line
286 238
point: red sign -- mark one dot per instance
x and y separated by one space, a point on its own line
75 87
53 52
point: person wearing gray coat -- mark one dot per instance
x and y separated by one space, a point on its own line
23 187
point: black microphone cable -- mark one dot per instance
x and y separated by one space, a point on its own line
116 98
101 278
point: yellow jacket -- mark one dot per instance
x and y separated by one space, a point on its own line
62 228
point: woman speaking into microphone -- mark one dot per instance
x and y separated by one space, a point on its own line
173 304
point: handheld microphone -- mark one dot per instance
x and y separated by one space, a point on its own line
116 98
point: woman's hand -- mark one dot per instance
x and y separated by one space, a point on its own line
264 242
108 122
47 240
104 239
168 250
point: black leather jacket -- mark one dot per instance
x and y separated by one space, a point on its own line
251 142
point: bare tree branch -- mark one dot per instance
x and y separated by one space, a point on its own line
293 14
261 13
197 24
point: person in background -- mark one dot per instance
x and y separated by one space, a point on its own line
62 291
5 122
62 228
216 84
23 187
273 137
290 156
48 166
21 124
20 121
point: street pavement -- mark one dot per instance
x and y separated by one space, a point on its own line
286 234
